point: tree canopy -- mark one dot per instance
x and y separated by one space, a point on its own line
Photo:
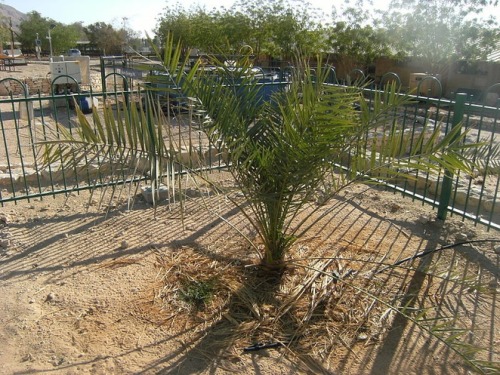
274 28
434 30
440 30
63 36
106 38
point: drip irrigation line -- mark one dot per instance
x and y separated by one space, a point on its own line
260 345
427 252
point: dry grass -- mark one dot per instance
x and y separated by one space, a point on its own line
333 302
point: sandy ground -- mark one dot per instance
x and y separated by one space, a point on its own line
88 293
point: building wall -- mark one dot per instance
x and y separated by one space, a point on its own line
472 78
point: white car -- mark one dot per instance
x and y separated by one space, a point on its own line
17 52
74 52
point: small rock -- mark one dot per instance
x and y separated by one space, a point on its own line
124 244
51 297
424 219
479 181
4 219
497 250
27 357
4 243
57 361
395 207
120 234
362 337
461 236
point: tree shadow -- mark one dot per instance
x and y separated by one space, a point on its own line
443 312
345 232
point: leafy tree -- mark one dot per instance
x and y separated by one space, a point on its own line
275 28
234 28
280 27
63 36
106 38
214 31
4 31
80 29
355 39
440 30
177 21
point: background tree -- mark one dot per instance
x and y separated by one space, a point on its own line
5 35
214 31
176 20
63 36
440 30
279 27
106 38
434 31
354 38
274 28
80 29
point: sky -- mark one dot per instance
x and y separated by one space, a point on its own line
139 15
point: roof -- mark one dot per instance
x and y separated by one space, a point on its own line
494 56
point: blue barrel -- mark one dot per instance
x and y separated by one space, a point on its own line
85 102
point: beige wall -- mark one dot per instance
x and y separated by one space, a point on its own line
483 75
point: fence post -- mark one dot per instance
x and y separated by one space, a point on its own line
103 76
446 187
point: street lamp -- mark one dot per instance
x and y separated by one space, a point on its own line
50 40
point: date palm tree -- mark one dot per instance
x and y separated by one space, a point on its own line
306 138
289 152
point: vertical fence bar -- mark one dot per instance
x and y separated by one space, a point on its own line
446 188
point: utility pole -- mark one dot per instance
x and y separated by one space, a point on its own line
11 38
38 43
49 37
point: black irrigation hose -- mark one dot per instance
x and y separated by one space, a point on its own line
427 252
276 344
260 346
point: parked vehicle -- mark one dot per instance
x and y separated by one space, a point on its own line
17 52
74 52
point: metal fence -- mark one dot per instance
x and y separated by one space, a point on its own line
473 197
26 120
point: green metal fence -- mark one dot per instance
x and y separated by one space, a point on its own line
473 197
26 120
